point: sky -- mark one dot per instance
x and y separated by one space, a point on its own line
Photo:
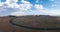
29 7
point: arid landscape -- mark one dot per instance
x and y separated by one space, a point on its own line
42 21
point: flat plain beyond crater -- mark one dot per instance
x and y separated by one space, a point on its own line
30 21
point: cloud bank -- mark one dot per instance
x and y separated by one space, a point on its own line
26 8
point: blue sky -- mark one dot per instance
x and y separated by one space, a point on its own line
30 7
45 3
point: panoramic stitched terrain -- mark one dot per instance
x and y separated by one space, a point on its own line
30 21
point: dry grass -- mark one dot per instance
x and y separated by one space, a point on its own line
5 26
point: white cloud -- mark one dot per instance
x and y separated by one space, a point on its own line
39 7
27 6
12 3
18 13
51 12
39 10
8 4
24 8
54 12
